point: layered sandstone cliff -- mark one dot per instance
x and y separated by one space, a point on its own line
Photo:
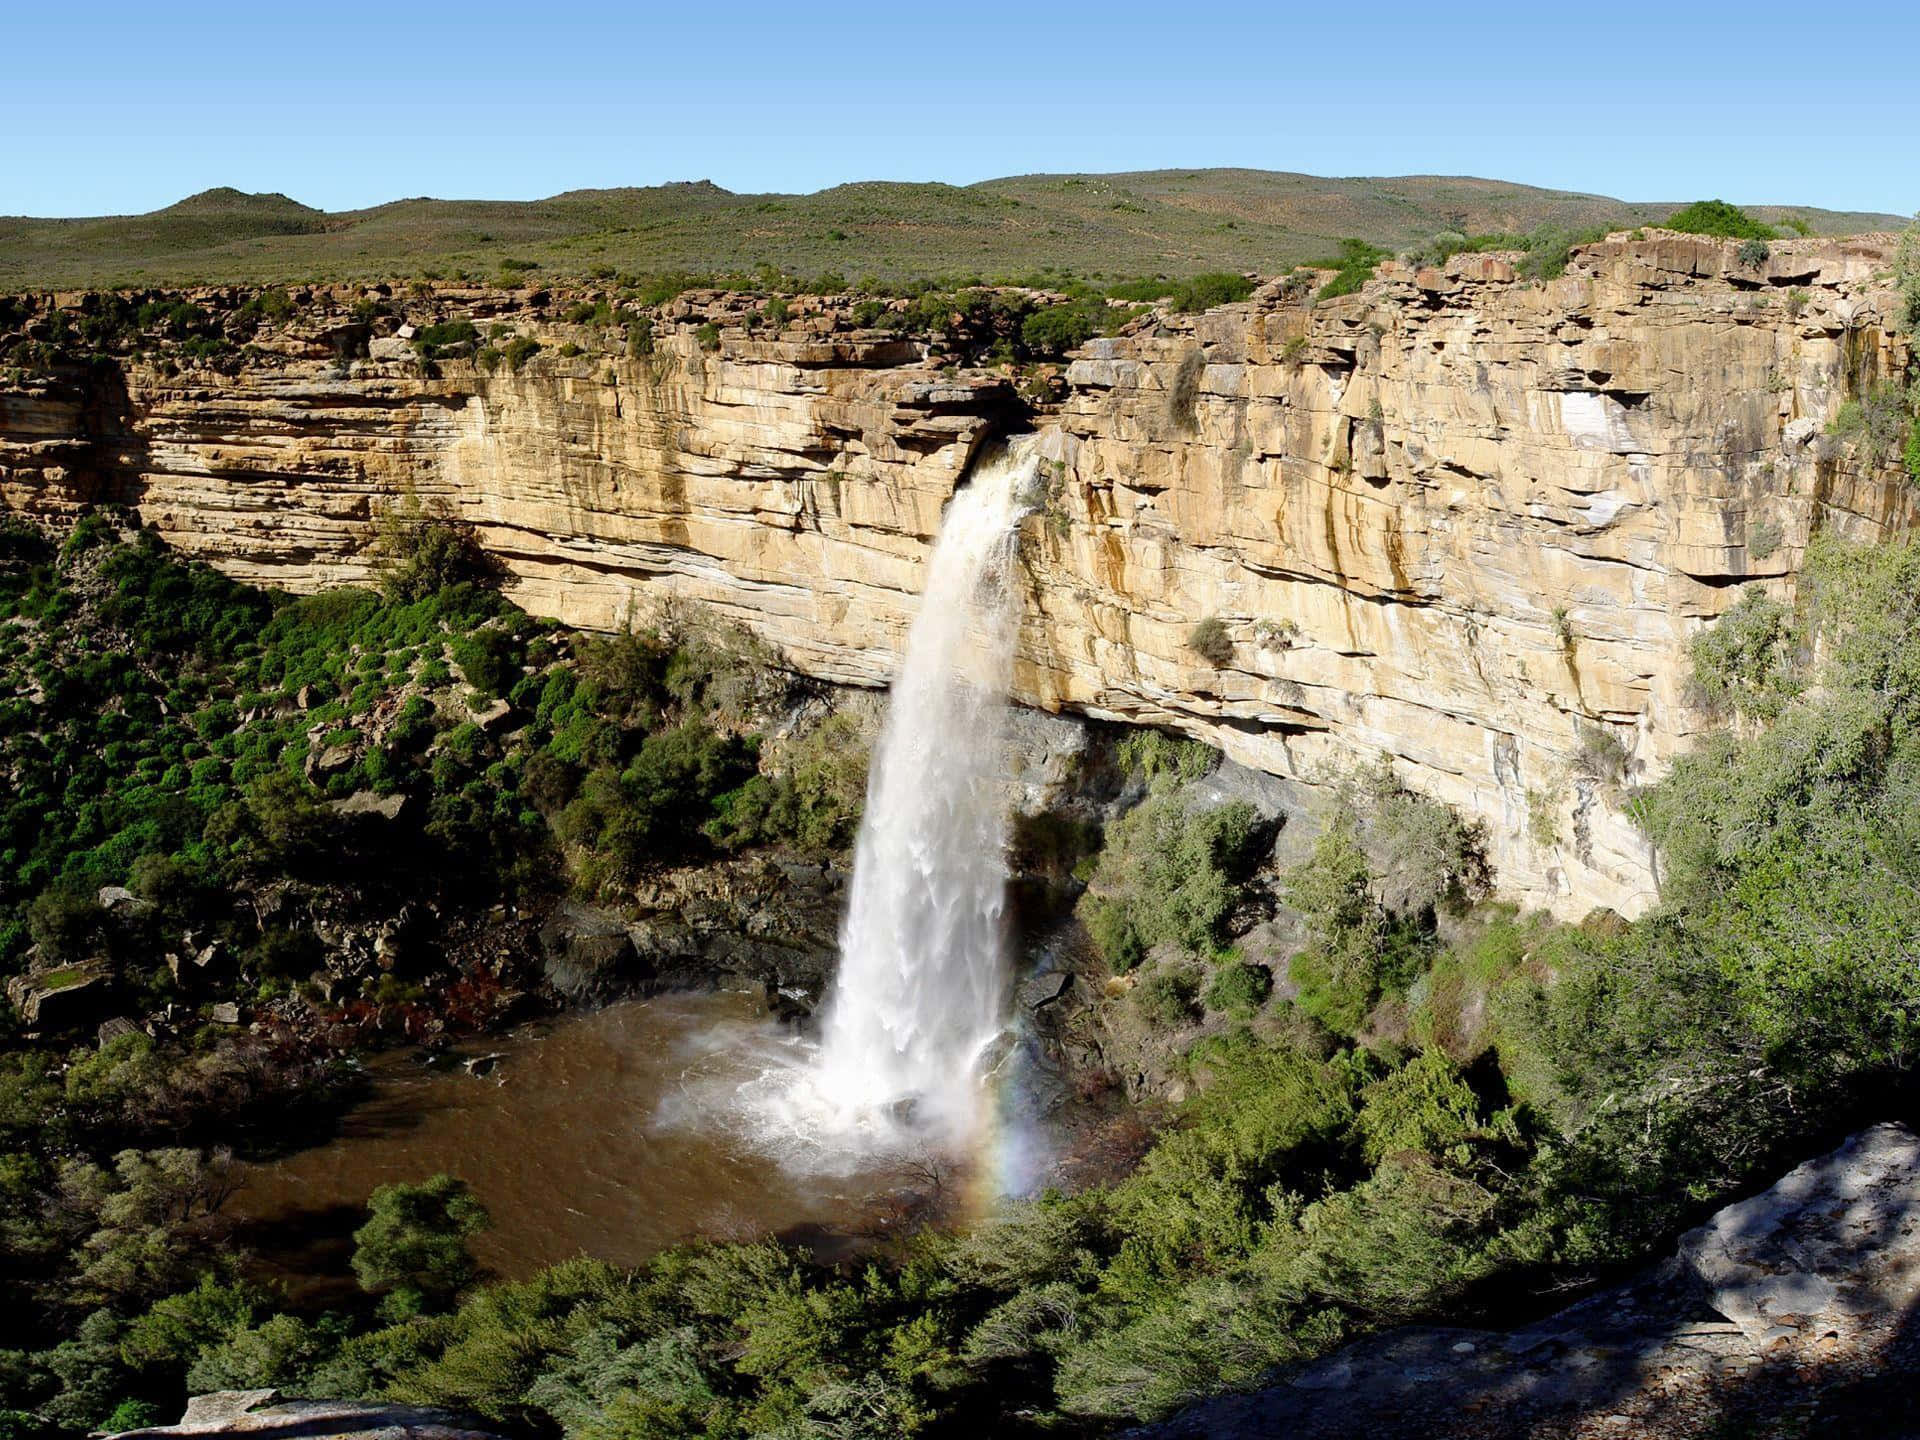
1460 519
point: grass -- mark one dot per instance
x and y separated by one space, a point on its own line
1176 223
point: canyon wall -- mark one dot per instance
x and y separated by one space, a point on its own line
1460 519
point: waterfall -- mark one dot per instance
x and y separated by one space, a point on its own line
919 997
912 1017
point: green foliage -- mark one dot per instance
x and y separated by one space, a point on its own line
1238 989
808 795
1154 755
1352 268
1744 661
1881 425
1203 292
1170 872
520 349
1169 997
1055 329
420 553
1551 247
1719 219
448 338
707 337
133 1415
413 1248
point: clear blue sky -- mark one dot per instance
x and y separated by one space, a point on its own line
116 107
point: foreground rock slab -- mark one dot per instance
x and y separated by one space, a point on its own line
1790 1313
264 1415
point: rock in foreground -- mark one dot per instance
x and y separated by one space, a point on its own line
1788 1313
263 1414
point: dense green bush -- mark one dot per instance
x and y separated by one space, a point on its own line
1171 872
1203 292
412 1251
449 337
1238 989
1718 218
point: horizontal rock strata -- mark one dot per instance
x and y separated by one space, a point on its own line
1462 519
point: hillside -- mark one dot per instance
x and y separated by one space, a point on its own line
1103 226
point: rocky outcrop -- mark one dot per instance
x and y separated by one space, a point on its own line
263 1415
1802 1297
1459 518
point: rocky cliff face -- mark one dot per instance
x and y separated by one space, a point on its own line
1460 519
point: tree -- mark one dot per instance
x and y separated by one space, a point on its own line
413 1248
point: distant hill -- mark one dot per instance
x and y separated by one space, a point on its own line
1173 222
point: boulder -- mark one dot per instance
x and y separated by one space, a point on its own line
56 999
366 802
330 761
589 956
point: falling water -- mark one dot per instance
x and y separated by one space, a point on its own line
920 992
918 1001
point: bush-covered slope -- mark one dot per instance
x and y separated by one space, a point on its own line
1548 1103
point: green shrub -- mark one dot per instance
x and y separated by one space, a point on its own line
1744 660
1210 640
1239 989
1879 424
435 342
419 553
1171 873
1168 998
1352 268
519 350
1056 329
1550 248
1718 218
1204 292
707 337
413 1249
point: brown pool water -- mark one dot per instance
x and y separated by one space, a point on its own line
592 1134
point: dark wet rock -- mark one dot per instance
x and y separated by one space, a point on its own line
589 956
1042 990
264 1415
1819 1274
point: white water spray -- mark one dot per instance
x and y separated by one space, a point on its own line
922 983
920 995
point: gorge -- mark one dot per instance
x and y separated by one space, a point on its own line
1459 518
1419 760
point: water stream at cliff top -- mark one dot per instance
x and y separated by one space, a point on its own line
918 1003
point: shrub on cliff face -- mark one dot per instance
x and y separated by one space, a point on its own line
418 553
1210 640
1352 268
